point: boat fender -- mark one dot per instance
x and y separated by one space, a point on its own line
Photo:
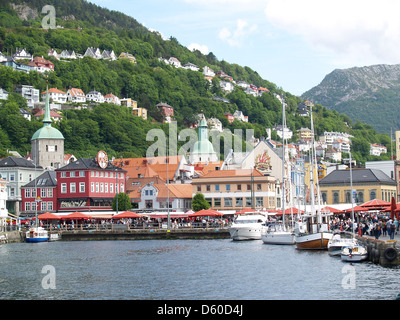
369 250
390 254
377 255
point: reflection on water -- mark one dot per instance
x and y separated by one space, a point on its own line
185 269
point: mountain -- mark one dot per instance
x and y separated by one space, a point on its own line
369 94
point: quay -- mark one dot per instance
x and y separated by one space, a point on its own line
382 251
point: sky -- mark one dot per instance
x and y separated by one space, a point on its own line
292 43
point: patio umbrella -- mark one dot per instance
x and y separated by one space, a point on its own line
76 216
392 209
127 214
289 211
245 211
357 209
331 210
375 203
206 213
48 216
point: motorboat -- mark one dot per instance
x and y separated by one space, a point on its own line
247 226
354 253
337 243
37 234
276 233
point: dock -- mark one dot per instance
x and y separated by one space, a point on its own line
382 251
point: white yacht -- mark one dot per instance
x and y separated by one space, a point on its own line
276 233
354 253
338 243
247 226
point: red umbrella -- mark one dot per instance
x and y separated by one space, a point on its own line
48 216
76 216
245 211
127 214
375 203
328 209
357 209
393 208
206 213
289 211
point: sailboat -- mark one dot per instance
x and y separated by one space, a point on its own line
312 228
354 252
280 233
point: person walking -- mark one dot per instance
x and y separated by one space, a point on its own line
392 228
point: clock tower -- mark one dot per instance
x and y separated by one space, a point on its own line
47 143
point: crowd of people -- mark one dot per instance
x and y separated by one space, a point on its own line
371 224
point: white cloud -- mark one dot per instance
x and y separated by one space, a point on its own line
356 30
195 46
236 38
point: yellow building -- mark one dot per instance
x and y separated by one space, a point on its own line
368 184
125 55
237 189
140 112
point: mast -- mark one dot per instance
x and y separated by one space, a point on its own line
351 196
283 164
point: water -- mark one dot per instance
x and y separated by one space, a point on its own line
186 269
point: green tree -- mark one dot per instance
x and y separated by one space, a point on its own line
124 203
199 202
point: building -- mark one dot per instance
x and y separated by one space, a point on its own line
40 195
334 155
89 184
108 55
226 86
128 102
95 96
3 94
208 72
53 115
166 110
283 131
17 172
93 52
29 93
304 134
157 196
140 112
11 62
3 201
66 54
110 98
47 143
130 57
233 190
41 65
75 95
203 150
368 184
22 54
175 62
377 149
55 95
191 66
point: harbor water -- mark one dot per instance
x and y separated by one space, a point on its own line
185 269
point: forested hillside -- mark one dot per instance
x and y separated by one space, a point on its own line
149 82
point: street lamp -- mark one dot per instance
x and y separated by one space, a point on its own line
116 186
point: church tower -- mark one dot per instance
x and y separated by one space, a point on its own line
47 143
203 150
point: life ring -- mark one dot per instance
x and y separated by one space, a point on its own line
390 254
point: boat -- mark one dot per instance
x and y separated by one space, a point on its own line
247 226
312 228
37 234
338 243
276 233
279 233
354 253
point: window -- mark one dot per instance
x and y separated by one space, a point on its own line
81 187
97 187
111 187
335 197
239 187
259 202
248 202
228 202
324 196
72 174
50 205
228 187
102 187
27 206
239 202
249 187
33 206
217 187
92 186
72 187
63 188
49 192
360 195
43 193
348 196
63 174
81 173
12 177
27 193
33 193
208 187
259 187
198 188
106 187
122 188
217 202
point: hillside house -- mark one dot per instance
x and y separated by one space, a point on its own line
175 62
29 93
333 154
377 149
109 55
41 65
93 52
22 54
53 53
166 110
53 115
110 98
75 95
208 72
55 95
126 55
65 54
95 96
11 62
191 66
3 94
226 86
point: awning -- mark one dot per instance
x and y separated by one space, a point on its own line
127 215
206 213
48 216
76 216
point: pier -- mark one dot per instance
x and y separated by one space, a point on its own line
382 251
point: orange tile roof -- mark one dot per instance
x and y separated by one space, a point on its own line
233 173
175 191
54 90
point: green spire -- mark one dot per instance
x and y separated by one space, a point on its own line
47 119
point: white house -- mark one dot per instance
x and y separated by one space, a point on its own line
29 93
53 53
191 66
56 95
334 155
208 72
227 86
95 96
65 54
341 145
93 52
377 149
110 98
285 131
214 124
75 95
3 94
22 54
109 55
175 62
